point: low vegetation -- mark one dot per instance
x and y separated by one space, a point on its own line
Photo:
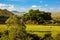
12 29
39 25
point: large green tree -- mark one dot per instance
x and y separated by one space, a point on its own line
17 28
37 16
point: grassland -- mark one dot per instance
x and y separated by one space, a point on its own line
3 28
40 30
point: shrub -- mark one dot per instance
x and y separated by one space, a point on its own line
57 37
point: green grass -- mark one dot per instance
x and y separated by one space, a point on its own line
40 30
3 28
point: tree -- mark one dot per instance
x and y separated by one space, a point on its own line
17 28
37 16
47 16
12 20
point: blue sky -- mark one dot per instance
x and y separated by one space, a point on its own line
25 5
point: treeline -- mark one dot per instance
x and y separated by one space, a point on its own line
37 17
31 17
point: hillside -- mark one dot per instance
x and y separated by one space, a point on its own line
55 14
5 13
18 13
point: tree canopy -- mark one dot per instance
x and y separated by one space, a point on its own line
37 16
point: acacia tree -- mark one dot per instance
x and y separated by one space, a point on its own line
37 16
17 28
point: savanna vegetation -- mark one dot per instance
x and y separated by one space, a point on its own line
15 28
37 17
33 25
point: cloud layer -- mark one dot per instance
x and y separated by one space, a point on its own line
7 6
11 7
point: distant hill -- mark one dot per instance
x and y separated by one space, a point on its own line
10 13
55 14
18 13
5 13
15 11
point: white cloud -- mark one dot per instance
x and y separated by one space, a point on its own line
7 6
38 7
1 5
22 9
46 5
52 9
33 6
11 8
43 9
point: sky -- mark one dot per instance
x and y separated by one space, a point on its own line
25 5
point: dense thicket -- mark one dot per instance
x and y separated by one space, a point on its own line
17 28
37 16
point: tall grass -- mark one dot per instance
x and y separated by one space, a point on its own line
40 30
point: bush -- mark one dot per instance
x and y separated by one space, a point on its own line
57 37
47 37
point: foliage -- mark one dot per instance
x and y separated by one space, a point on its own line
36 28
15 28
12 20
57 37
37 16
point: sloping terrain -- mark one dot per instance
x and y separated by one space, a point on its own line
5 13
55 14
